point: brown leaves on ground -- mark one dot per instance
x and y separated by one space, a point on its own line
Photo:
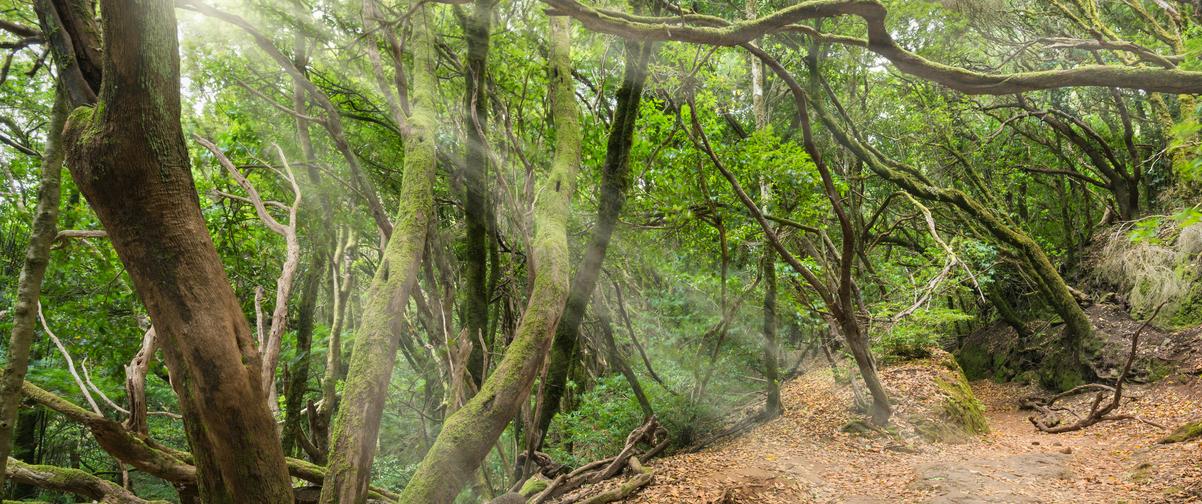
803 457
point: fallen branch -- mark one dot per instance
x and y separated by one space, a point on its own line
642 478
73 481
1099 411
593 472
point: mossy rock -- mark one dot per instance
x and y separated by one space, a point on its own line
986 353
1058 372
957 414
1192 430
1189 310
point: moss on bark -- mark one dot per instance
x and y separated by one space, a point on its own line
355 429
470 432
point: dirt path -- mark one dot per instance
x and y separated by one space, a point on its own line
803 457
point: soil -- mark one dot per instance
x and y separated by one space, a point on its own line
804 456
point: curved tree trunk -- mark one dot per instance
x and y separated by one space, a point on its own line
353 437
29 286
470 432
615 179
128 156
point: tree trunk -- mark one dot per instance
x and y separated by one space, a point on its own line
773 406
476 207
298 382
29 286
469 433
353 437
128 157
615 179
618 358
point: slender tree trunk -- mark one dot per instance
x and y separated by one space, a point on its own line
476 202
771 347
29 285
25 447
618 357
353 438
759 107
469 433
615 179
298 383
128 157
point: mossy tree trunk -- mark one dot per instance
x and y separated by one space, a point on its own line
476 201
357 425
615 179
128 157
29 285
469 433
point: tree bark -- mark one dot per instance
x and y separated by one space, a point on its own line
353 437
469 433
476 202
615 179
128 157
29 285
298 376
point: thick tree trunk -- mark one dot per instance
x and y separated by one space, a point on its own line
469 433
353 437
615 178
29 285
127 155
476 202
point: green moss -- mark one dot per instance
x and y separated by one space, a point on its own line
1192 430
976 361
961 405
1189 311
532 486
1059 372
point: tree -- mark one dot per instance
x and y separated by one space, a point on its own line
127 154
470 432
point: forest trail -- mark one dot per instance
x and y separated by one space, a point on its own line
804 457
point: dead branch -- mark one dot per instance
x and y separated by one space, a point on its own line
70 363
650 432
642 477
1099 411
135 383
270 347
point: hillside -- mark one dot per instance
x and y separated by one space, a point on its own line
805 455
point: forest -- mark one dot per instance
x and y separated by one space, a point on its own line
593 251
